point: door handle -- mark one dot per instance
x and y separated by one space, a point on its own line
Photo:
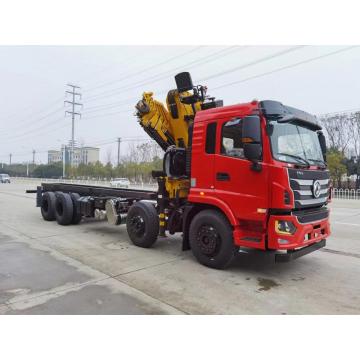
222 176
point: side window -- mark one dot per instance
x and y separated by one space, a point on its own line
231 135
210 138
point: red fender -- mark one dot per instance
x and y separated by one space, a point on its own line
210 200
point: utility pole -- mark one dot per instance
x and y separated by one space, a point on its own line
10 159
73 114
118 155
64 154
33 152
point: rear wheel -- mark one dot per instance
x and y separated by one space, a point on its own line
76 218
211 239
63 208
48 206
142 224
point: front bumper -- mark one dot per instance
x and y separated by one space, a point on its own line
305 235
294 254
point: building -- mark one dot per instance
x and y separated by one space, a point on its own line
82 155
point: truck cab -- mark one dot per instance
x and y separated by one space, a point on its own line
262 164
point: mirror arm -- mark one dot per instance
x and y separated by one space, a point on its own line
256 166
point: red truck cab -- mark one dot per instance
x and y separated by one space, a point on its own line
262 164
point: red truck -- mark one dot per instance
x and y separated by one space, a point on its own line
250 175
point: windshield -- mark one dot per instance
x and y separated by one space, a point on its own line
295 144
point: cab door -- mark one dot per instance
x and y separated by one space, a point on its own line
242 187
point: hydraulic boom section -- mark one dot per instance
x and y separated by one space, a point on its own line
170 126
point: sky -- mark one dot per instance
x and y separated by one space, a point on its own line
317 79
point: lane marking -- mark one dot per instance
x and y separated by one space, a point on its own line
344 223
338 252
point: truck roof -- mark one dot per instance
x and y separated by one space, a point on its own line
270 107
224 111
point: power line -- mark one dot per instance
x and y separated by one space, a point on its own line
90 144
109 105
24 124
339 112
110 93
145 69
263 59
105 69
33 113
163 75
110 114
266 73
115 105
256 62
239 81
35 131
284 67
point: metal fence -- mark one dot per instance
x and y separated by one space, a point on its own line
347 194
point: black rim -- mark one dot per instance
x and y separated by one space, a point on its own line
137 226
208 240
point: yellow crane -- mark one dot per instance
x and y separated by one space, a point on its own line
170 127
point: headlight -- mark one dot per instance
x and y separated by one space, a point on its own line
285 227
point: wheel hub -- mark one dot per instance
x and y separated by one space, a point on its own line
208 240
137 225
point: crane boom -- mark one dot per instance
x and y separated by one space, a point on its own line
169 126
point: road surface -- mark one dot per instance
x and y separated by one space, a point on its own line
92 268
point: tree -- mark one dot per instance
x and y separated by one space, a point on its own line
338 129
48 171
355 136
337 168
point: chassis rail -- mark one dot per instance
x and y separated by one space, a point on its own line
97 191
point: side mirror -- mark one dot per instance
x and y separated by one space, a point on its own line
251 138
251 130
252 152
322 141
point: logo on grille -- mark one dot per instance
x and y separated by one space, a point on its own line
316 188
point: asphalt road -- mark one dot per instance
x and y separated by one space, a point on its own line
92 268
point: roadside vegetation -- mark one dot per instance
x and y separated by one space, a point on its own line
343 156
136 165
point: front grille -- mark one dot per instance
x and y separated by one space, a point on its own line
301 183
309 216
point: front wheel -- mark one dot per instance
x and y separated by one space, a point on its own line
211 239
142 224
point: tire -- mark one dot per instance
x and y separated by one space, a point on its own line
63 208
48 206
76 218
142 224
211 239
